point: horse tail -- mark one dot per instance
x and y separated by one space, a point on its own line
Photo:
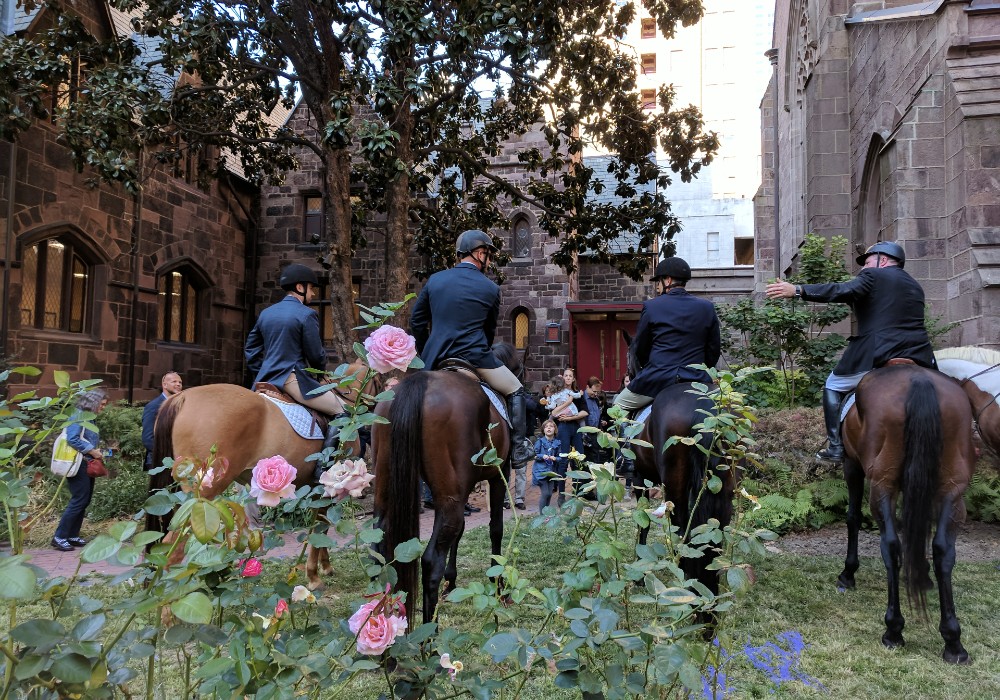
163 447
400 521
921 463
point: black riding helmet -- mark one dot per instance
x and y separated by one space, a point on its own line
296 274
472 239
674 267
890 248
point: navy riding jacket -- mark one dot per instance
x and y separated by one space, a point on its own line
456 316
286 339
675 330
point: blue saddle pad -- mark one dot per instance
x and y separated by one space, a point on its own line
846 407
299 418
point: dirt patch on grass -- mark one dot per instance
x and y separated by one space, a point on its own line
977 542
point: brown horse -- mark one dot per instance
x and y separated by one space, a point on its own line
910 433
438 422
978 372
244 427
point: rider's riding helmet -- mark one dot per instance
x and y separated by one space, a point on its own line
296 274
890 248
472 239
674 267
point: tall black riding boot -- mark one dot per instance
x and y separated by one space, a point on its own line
520 447
834 452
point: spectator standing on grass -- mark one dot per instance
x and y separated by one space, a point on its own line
81 485
170 385
547 459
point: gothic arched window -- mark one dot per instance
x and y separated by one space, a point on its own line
522 329
522 238
178 306
55 286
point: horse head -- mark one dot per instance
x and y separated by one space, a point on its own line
507 354
631 363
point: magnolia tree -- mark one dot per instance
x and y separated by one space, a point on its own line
243 625
411 103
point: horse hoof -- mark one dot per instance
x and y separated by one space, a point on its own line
507 601
314 585
844 585
892 642
961 657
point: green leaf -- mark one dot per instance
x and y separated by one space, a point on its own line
72 668
408 551
17 582
26 371
320 539
88 628
61 379
39 633
194 608
98 549
370 536
500 646
205 521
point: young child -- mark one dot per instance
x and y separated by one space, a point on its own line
547 450
561 401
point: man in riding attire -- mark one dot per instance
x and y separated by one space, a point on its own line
456 316
286 341
889 306
675 330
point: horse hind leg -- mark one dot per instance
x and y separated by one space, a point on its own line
944 561
885 505
855 478
451 569
449 522
313 581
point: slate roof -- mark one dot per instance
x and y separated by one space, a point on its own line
599 164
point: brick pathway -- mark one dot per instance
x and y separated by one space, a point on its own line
58 563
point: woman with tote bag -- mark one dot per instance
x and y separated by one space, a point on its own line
81 484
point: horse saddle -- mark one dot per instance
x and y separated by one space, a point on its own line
307 422
455 364
848 402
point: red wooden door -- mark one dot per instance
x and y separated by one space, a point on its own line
600 347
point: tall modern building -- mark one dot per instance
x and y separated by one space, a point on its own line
716 65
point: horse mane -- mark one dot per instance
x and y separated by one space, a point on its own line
970 353
507 354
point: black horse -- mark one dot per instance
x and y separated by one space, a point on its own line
683 470
438 422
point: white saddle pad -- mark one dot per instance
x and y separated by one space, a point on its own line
299 418
498 402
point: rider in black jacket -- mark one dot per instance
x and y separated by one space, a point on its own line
889 307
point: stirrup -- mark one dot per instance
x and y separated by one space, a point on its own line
831 454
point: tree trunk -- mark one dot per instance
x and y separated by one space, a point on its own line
337 208
398 235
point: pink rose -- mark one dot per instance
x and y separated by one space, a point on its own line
281 608
272 480
376 631
206 481
347 478
250 568
390 348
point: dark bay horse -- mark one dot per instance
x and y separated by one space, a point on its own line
438 422
681 469
978 373
244 427
910 433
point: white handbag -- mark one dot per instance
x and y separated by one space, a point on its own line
65 460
